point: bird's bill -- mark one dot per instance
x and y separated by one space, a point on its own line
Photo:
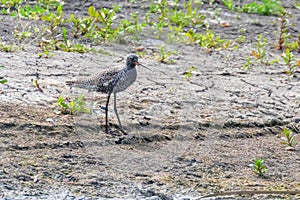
139 64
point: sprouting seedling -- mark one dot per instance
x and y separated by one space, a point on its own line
298 42
260 52
73 107
2 80
37 85
289 138
164 55
7 47
67 45
188 74
290 61
259 168
248 64
283 29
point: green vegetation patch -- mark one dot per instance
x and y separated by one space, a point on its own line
264 7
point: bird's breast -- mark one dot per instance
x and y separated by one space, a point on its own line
125 79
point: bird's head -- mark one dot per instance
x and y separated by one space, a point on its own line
133 60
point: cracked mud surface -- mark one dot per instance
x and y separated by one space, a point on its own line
185 138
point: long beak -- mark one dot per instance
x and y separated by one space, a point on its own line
139 64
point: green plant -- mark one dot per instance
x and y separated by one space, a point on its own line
34 10
229 4
163 14
293 46
161 7
260 52
177 35
188 18
26 33
81 25
23 32
297 5
30 12
208 40
157 16
164 56
259 168
50 4
290 61
51 32
7 47
298 43
188 75
66 45
73 107
55 20
248 64
9 4
132 27
103 21
265 7
289 138
283 30
2 80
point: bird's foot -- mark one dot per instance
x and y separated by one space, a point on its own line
118 131
122 131
103 108
109 131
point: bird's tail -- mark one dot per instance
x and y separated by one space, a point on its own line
70 83
82 83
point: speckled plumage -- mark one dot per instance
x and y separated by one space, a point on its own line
111 80
114 79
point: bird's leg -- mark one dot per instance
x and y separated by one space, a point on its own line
106 114
115 109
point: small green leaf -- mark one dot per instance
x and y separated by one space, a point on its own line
64 32
72 16
3 81
62 46
72 104
92 11
59 9
46 18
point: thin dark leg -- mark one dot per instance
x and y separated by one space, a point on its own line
106 113
115 109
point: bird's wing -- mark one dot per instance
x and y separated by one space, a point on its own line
108 74
104 76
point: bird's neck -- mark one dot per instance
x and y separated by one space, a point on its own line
130 67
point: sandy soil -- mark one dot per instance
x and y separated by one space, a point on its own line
186 139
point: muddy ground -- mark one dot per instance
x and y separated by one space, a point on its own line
186 139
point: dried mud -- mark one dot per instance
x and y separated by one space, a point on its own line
186 139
